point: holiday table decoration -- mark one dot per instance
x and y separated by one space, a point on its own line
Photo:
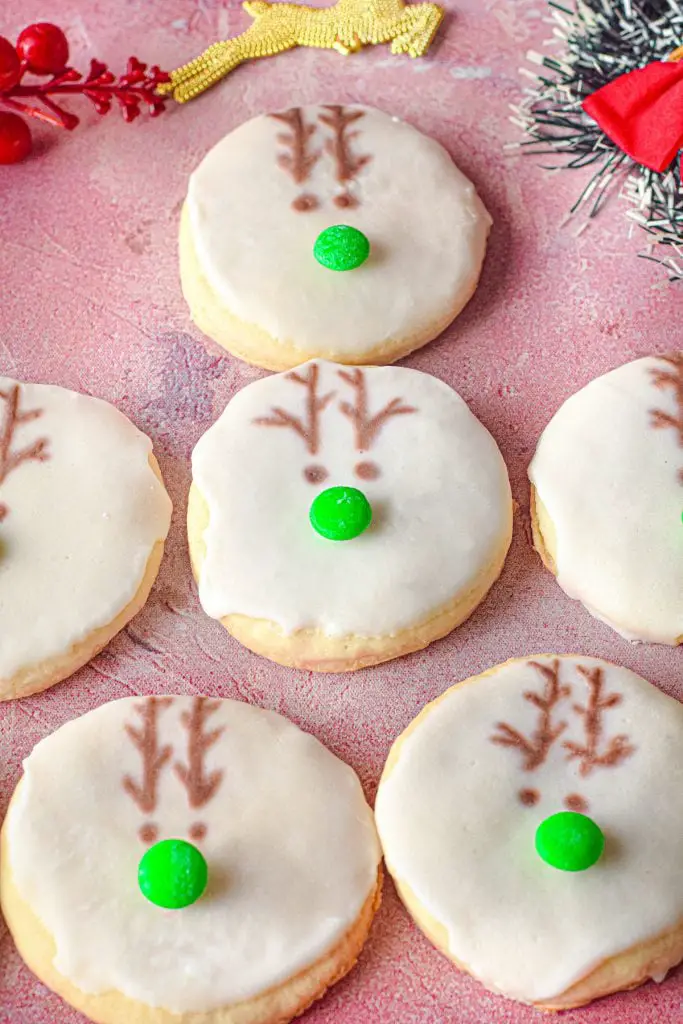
615 102
42 49
346 27
104 313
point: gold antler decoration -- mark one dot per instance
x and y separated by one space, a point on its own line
346 27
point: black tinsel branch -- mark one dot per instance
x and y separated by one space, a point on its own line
604 39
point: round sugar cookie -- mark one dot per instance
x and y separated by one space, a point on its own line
607 498
270 190
266 900
532 817
411 459
83 519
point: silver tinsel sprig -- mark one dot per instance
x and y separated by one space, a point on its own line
603 39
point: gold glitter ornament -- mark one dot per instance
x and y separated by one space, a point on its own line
346 27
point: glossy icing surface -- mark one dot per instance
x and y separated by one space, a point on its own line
263 194
80 511
459 805
288 838
433 475
609 472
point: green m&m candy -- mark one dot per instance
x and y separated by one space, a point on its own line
569 841
340 513
341 248
172 874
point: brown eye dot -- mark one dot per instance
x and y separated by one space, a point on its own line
315 474
197 831
529 797
304 203
345 201
575 802
366 470
148 833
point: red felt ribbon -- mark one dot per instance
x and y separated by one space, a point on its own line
642 112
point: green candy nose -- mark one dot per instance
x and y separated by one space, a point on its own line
172 874
341 248
340 513
569 841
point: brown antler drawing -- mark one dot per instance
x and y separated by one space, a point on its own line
11 420
589 755
346 165
367 427
299 161
154 757
200 786
671 378
307 428
535 748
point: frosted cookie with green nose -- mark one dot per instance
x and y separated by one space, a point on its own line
84 516
606 498
185 860
531 818
342 516
331 231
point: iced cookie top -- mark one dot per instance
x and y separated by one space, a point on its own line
432 474
609 472
80 511
467 785
288 840
262 196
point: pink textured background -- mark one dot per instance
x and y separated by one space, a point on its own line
91 300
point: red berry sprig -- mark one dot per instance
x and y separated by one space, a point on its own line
42 49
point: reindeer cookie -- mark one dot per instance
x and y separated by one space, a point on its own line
170 859
607 498
531 819
328 231
340 517
83 519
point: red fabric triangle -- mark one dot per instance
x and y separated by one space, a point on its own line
642 112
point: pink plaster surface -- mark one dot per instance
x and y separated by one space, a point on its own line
91 300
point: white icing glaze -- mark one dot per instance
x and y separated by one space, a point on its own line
79 527
290 845
610 483
441 506
426 225
455 831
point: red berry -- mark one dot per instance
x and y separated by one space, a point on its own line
44 48
10 68
15 138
